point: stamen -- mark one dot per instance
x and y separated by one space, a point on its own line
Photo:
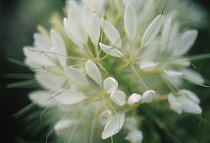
133 68
53 72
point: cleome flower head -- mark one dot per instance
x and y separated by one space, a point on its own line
107 59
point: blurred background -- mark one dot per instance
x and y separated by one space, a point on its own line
18 22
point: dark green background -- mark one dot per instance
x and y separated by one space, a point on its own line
18 21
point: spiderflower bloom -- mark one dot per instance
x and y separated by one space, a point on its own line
105 61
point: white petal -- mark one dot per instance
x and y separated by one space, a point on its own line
148 96
96 5
76 76
110 51
66 108
193 75
130 22
76 28
173 74
131 123
165 33
173 33
49 81
191 95
60 57
74 5
182 62
152 30
60 47
93 71
118 97
58 42
85 15
63 125
113 126
94 28
104 117
189 106
67 28
136 3
42 42
37 58
42 98
111 33
135 136
148 66
69 97
134 98
172 98
110 84
186 42
174 104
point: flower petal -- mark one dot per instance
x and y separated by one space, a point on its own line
193 75
152 30
118 97
49 81
96 5
104 117
86 13
94 29
184 62
110 85
174 104
172 98
63 125
57 41
34 58
69 97
148 96
165 33
59 47
189 106
76 76
76 28
67 28
93 71
110 51
134 98
131 123
59 56
148 66
130 22
191 95
113 126
111 33
135 136
173 74
42 42
42 98
189 36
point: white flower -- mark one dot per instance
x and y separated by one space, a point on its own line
100 65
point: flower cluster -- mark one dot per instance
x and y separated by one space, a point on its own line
107 59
